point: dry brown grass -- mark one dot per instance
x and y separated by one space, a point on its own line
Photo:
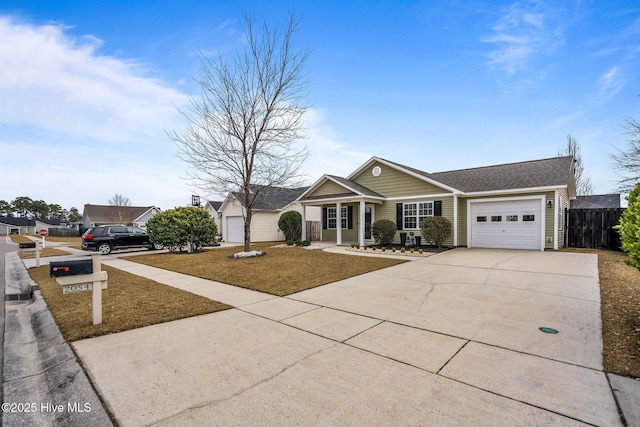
283 271
46 252
20 238
129 302
620 308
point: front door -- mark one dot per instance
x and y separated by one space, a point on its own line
367 223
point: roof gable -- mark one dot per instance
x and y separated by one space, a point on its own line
331 186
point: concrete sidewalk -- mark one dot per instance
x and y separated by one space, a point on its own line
451 339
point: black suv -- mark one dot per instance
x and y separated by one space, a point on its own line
105 238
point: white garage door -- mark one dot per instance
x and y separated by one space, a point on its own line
513 224
235 229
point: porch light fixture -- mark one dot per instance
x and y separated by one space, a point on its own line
549 204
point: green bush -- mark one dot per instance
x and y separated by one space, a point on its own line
180 228
383 230
436 229
630 228
290 223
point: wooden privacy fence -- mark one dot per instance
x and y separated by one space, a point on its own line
313 230
63 232
592 228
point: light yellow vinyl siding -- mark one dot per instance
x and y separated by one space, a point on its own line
462 222
393 183
329 188
549 218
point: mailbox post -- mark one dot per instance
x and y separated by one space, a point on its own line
31 248
83 276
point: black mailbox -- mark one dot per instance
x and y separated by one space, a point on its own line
70 268
30 245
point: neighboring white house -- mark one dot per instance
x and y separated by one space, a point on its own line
213 208
271 204
128 215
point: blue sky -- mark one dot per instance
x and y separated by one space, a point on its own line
89 88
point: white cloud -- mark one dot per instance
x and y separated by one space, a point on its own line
525 31
328 155
77 126
610 83
51 80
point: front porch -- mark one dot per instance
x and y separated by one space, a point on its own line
344 221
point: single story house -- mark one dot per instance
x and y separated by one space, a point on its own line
138 216
213 208
513 206
11 225
272 202
599 201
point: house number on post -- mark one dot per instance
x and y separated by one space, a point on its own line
80 276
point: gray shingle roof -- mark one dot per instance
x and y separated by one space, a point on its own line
215 205
596 201
273 198
107 214
531 174
18 222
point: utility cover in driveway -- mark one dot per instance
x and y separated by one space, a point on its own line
514 224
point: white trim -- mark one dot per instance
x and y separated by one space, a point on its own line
455 220
361 213
424 196
347 199
555 220
543 206
338 222
516 190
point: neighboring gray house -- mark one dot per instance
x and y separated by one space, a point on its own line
272 203
128 215
596 201
11 225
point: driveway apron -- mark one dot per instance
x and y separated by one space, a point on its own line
453 339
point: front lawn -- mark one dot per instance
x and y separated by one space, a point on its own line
129 302
283 271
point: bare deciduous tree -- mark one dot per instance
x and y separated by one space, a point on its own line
583 181
119 200
243 129
627 160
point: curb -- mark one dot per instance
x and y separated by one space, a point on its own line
44 384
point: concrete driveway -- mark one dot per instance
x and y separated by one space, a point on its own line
452 339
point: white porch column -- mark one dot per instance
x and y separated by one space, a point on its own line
338 223
455 220
361 223
304 222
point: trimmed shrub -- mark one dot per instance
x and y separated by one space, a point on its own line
383 230
436 229
630 228
180 228
290 223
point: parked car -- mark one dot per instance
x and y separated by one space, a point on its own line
105 238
